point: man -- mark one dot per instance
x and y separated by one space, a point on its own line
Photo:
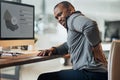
83 44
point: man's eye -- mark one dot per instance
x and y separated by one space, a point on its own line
56 17
60 14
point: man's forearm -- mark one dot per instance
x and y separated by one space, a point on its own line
62 49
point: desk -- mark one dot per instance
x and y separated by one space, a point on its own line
23 59
20 60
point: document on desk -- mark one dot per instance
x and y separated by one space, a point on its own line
19 55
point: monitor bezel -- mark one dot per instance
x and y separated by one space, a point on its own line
17 38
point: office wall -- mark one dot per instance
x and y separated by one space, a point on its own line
99 10
36 3
94 8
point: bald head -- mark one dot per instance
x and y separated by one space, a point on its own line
66 5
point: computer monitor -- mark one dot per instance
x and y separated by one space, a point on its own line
16 21
112 30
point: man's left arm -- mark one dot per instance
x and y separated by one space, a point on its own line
93 36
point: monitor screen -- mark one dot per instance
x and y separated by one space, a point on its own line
16 20
112 30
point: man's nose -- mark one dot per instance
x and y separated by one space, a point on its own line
59 18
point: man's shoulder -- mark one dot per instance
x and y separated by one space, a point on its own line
80 17
75 15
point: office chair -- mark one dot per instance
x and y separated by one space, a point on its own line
114 61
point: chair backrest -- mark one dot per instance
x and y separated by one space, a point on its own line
114 61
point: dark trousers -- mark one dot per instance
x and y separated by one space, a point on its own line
71 74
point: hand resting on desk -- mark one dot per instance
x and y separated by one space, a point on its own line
46 52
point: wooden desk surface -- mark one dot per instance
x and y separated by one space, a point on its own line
23 59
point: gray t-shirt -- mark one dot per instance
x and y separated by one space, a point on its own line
82 35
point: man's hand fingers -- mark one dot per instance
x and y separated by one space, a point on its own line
41 53
47 52
50 53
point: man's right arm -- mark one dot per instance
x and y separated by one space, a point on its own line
59 50
62 49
